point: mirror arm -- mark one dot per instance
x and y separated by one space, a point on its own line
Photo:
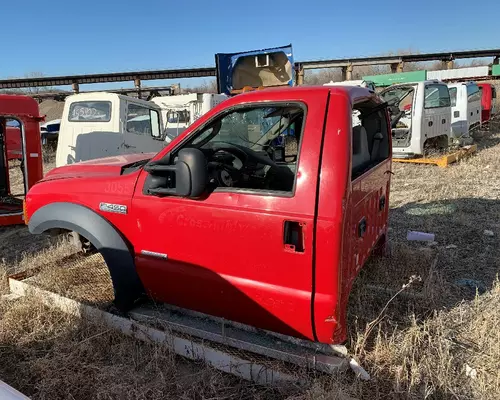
152 168
160 191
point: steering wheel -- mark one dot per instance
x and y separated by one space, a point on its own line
246 155
395 118
226 174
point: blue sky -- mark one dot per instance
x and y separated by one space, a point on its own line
108 36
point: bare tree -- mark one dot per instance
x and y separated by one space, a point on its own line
322 76
209 86
36 89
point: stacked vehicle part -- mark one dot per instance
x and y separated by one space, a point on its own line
26 154
420 117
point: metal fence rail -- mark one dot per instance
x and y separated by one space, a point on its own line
138 76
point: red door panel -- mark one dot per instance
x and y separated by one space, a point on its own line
369 213
228 262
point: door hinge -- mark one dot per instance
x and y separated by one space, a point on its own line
362 227
381 203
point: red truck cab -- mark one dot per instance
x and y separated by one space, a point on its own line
18 143
488 100
262 212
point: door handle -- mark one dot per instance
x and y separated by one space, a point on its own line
362 227
381 203
293 236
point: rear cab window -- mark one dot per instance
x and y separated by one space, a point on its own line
90 111
370 137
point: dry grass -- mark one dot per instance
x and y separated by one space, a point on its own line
431 358
50 355
421 344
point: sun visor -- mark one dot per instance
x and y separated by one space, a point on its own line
256 68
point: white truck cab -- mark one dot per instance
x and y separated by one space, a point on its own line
180 111
465 108
101 124
420 116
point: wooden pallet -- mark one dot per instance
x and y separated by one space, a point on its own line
444 160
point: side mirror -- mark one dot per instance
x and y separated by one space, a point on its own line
155 124
191 174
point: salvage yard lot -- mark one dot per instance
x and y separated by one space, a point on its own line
438 338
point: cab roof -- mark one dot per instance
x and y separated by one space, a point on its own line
355 93
18 105
458 84
108 96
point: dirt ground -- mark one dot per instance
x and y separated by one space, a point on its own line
437 339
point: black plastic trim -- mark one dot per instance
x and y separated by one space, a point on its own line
105 237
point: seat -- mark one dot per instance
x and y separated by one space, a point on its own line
377 139
361 152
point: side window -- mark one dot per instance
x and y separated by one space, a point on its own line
370 137
436 96
143 121
453 96
254 148
473 93
178 116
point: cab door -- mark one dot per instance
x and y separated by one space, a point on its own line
370 188
437 111
241 254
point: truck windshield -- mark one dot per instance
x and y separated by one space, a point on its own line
396 95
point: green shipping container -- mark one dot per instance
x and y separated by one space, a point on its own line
495 70
401 77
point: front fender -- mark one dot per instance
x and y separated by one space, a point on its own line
106 239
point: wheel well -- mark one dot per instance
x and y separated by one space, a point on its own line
116 250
